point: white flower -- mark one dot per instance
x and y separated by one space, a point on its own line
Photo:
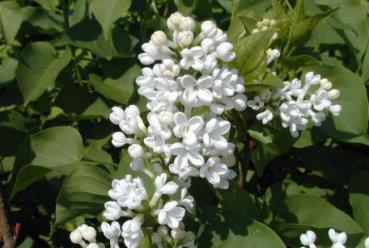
136 151
132 123
214 130
112 232
215 172
197 92
132 232
337 238
118 139
164 187
225 52
186 155
187 200
117 115
171 215
191 58
265 116
272 54
168 68
153 52
113 210
240 102
129 192
189 130
308 239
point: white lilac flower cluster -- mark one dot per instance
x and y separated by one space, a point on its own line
339 240
298 103
132 204
85 236
187 78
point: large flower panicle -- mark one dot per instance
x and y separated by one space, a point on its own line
186 75
298 104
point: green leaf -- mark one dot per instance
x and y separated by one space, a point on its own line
49 5
231 229
282 142
237 199
109 11
186 7
119 90
52 147
84 192
38 69
27 175
7 70
10 19
88 34
359 198
260 137
251 51
316 212
353 119
302 28
46 151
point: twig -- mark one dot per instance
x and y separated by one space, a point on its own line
4 227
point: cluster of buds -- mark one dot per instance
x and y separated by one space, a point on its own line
266 24
85 236
298 103
339 240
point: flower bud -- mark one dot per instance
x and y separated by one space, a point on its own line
335 109
240 102
174 21
117 115
111 231
333 94
308 238
187 24
136 151
137 164
208 28
89 234
118 139
184 38
163 230
132 110
112 211
225 51
159 38
75 237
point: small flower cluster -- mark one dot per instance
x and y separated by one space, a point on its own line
130 201
339 240
266 24
83 234
298 103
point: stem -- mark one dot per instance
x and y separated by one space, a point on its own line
4 227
